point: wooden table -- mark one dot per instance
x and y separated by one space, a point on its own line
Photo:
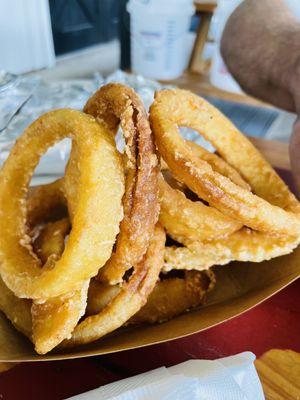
200 84
279 371
205 5
205 10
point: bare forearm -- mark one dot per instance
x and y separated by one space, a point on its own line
261 46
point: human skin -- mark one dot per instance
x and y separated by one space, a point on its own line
261 47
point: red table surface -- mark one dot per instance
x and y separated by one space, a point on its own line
273 324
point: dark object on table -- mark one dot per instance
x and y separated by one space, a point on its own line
77 24
124 32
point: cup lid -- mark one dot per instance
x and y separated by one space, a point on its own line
182 7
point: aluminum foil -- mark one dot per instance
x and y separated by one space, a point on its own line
23 99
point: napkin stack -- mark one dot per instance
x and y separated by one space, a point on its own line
231 378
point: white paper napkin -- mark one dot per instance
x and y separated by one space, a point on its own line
231 378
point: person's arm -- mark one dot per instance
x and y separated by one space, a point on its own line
261 47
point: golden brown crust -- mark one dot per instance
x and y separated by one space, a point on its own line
46 201
174 296
98 206
57 237
55 319
132 296
243 245
272 209
170 297
59 289
187 220
50 241
219 165
16 310
116 104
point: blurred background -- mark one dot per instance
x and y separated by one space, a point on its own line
48 46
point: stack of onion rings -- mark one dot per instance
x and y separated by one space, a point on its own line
87 254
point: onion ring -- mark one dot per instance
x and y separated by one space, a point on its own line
276 211
170 297
116 104
89 246
49 323
16 310
244 245
100 295
41 205
191 220
175 296
50 241
55 319
132 296
218 164
46 200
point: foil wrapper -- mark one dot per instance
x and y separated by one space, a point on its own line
24 99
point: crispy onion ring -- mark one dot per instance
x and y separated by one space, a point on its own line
244 245
169 298
215 181
49 323
55 319
175 296
50 241
56 312
132 296
191 220
16 310
116 104
46 200
272 209
93 232
218 165
42 205
209 242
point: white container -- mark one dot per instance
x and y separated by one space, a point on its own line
26 42
219 74
220 77
159 32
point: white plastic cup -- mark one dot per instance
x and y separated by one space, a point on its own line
220 77
219 74
159 37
